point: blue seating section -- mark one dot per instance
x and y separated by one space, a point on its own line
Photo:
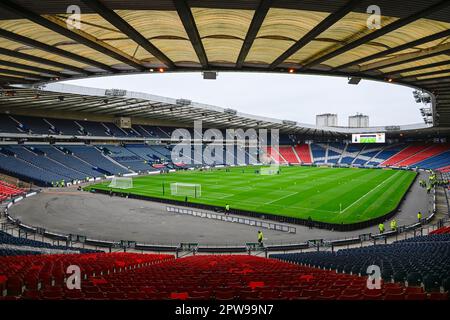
436 162
7 239
127 158
390 151
66 158
7 124
413 259
27 171
93 156
318 152
14 252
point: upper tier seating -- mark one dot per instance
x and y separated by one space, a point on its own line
424 259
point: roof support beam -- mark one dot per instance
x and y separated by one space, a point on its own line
409 57
188 21
378 33
399 48
45 47
440 79
421 67
317 30
56 25
78 103
26 103
255 25
432 73
113 18
24 56
32 68
24 74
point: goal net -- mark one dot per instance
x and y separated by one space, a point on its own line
186 189
121 183
267 171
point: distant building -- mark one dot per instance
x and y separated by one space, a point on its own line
326 120
358 121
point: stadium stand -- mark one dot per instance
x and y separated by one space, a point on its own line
122 276
66 157
404 154
126 158
304 153
427 153
289 154
94 157
43 276
319 152
8 190
415 261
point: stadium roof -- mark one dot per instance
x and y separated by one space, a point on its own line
412 47
58 97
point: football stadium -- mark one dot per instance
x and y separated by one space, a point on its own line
116 194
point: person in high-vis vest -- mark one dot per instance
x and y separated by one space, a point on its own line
394 225
227 209
260 237
419 216
381 227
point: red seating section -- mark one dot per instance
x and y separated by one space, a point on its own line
122 276
288 154
404 154
135 276
442 230
8 190
304 153
445 169
42 276
274 154
434 150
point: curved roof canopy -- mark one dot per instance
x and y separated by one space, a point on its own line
41 41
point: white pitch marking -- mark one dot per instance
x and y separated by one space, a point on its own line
379 185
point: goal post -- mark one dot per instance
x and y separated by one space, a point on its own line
186 189
121 183
271 170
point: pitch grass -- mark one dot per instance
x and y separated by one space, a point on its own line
332 195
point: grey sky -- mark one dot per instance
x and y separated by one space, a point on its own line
283 96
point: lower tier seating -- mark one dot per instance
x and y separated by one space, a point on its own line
122 276
418 261
43 276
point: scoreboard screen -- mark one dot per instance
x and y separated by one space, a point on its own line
368 138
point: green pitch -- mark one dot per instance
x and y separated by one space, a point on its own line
332 195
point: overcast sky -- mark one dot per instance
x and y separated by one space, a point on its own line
282 96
